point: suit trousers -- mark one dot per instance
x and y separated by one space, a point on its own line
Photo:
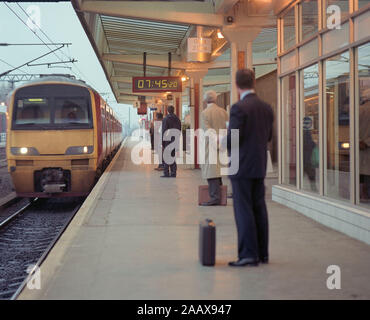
251 217
170 167
214 189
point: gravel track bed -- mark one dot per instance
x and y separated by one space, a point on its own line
24 240
6 185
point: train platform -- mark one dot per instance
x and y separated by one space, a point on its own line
136 237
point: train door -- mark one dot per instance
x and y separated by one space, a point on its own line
103 126
111 130
106 130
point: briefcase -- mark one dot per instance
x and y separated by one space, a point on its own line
207 242
203 195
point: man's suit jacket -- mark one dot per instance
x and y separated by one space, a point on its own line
171 121
254 119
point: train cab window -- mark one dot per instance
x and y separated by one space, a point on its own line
51 107
32 111
71 111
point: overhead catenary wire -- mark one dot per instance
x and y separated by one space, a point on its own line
34 32
2 44
27 63
15 13
82 75
12 66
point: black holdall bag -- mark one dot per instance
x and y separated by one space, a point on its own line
207 242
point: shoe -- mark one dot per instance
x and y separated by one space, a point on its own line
264 260
166 176
173 176
211 203
244 262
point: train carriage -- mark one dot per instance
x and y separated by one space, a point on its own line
61 136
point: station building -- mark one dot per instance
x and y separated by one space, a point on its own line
312 64
324 112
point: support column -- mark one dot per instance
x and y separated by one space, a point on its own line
249 53
241 39
178 106
196 74
233 68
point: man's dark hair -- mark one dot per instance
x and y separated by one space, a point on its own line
170 109
245 79
159 115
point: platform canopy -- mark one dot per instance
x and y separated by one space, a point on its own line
122 31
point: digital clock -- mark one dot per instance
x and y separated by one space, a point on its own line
156 84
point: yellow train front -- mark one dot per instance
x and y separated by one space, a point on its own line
61 135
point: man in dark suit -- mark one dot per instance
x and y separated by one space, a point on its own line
253 118
171 127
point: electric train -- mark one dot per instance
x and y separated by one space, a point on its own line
61 135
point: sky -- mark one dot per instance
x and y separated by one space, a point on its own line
61 24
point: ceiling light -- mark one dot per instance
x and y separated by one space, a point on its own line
220 35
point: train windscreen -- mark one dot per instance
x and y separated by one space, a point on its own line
52 106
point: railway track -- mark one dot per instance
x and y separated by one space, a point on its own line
26 238
3 163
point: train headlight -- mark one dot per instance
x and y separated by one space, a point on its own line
79 150
24 151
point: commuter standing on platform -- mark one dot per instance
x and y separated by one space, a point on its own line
171 121
253 118
158 140
212 117
151 132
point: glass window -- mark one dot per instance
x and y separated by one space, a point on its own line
364 122
343 7
337 171
51 106
288 30
361 25
310 18
310 129
336 38
309 51
288 61
289 129
363 3
32 111
71 110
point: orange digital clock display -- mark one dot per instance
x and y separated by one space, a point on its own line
156 84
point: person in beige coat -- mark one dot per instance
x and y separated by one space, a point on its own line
212 117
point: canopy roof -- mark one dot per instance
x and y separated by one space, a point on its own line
121 31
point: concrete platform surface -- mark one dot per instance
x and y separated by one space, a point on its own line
136 237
